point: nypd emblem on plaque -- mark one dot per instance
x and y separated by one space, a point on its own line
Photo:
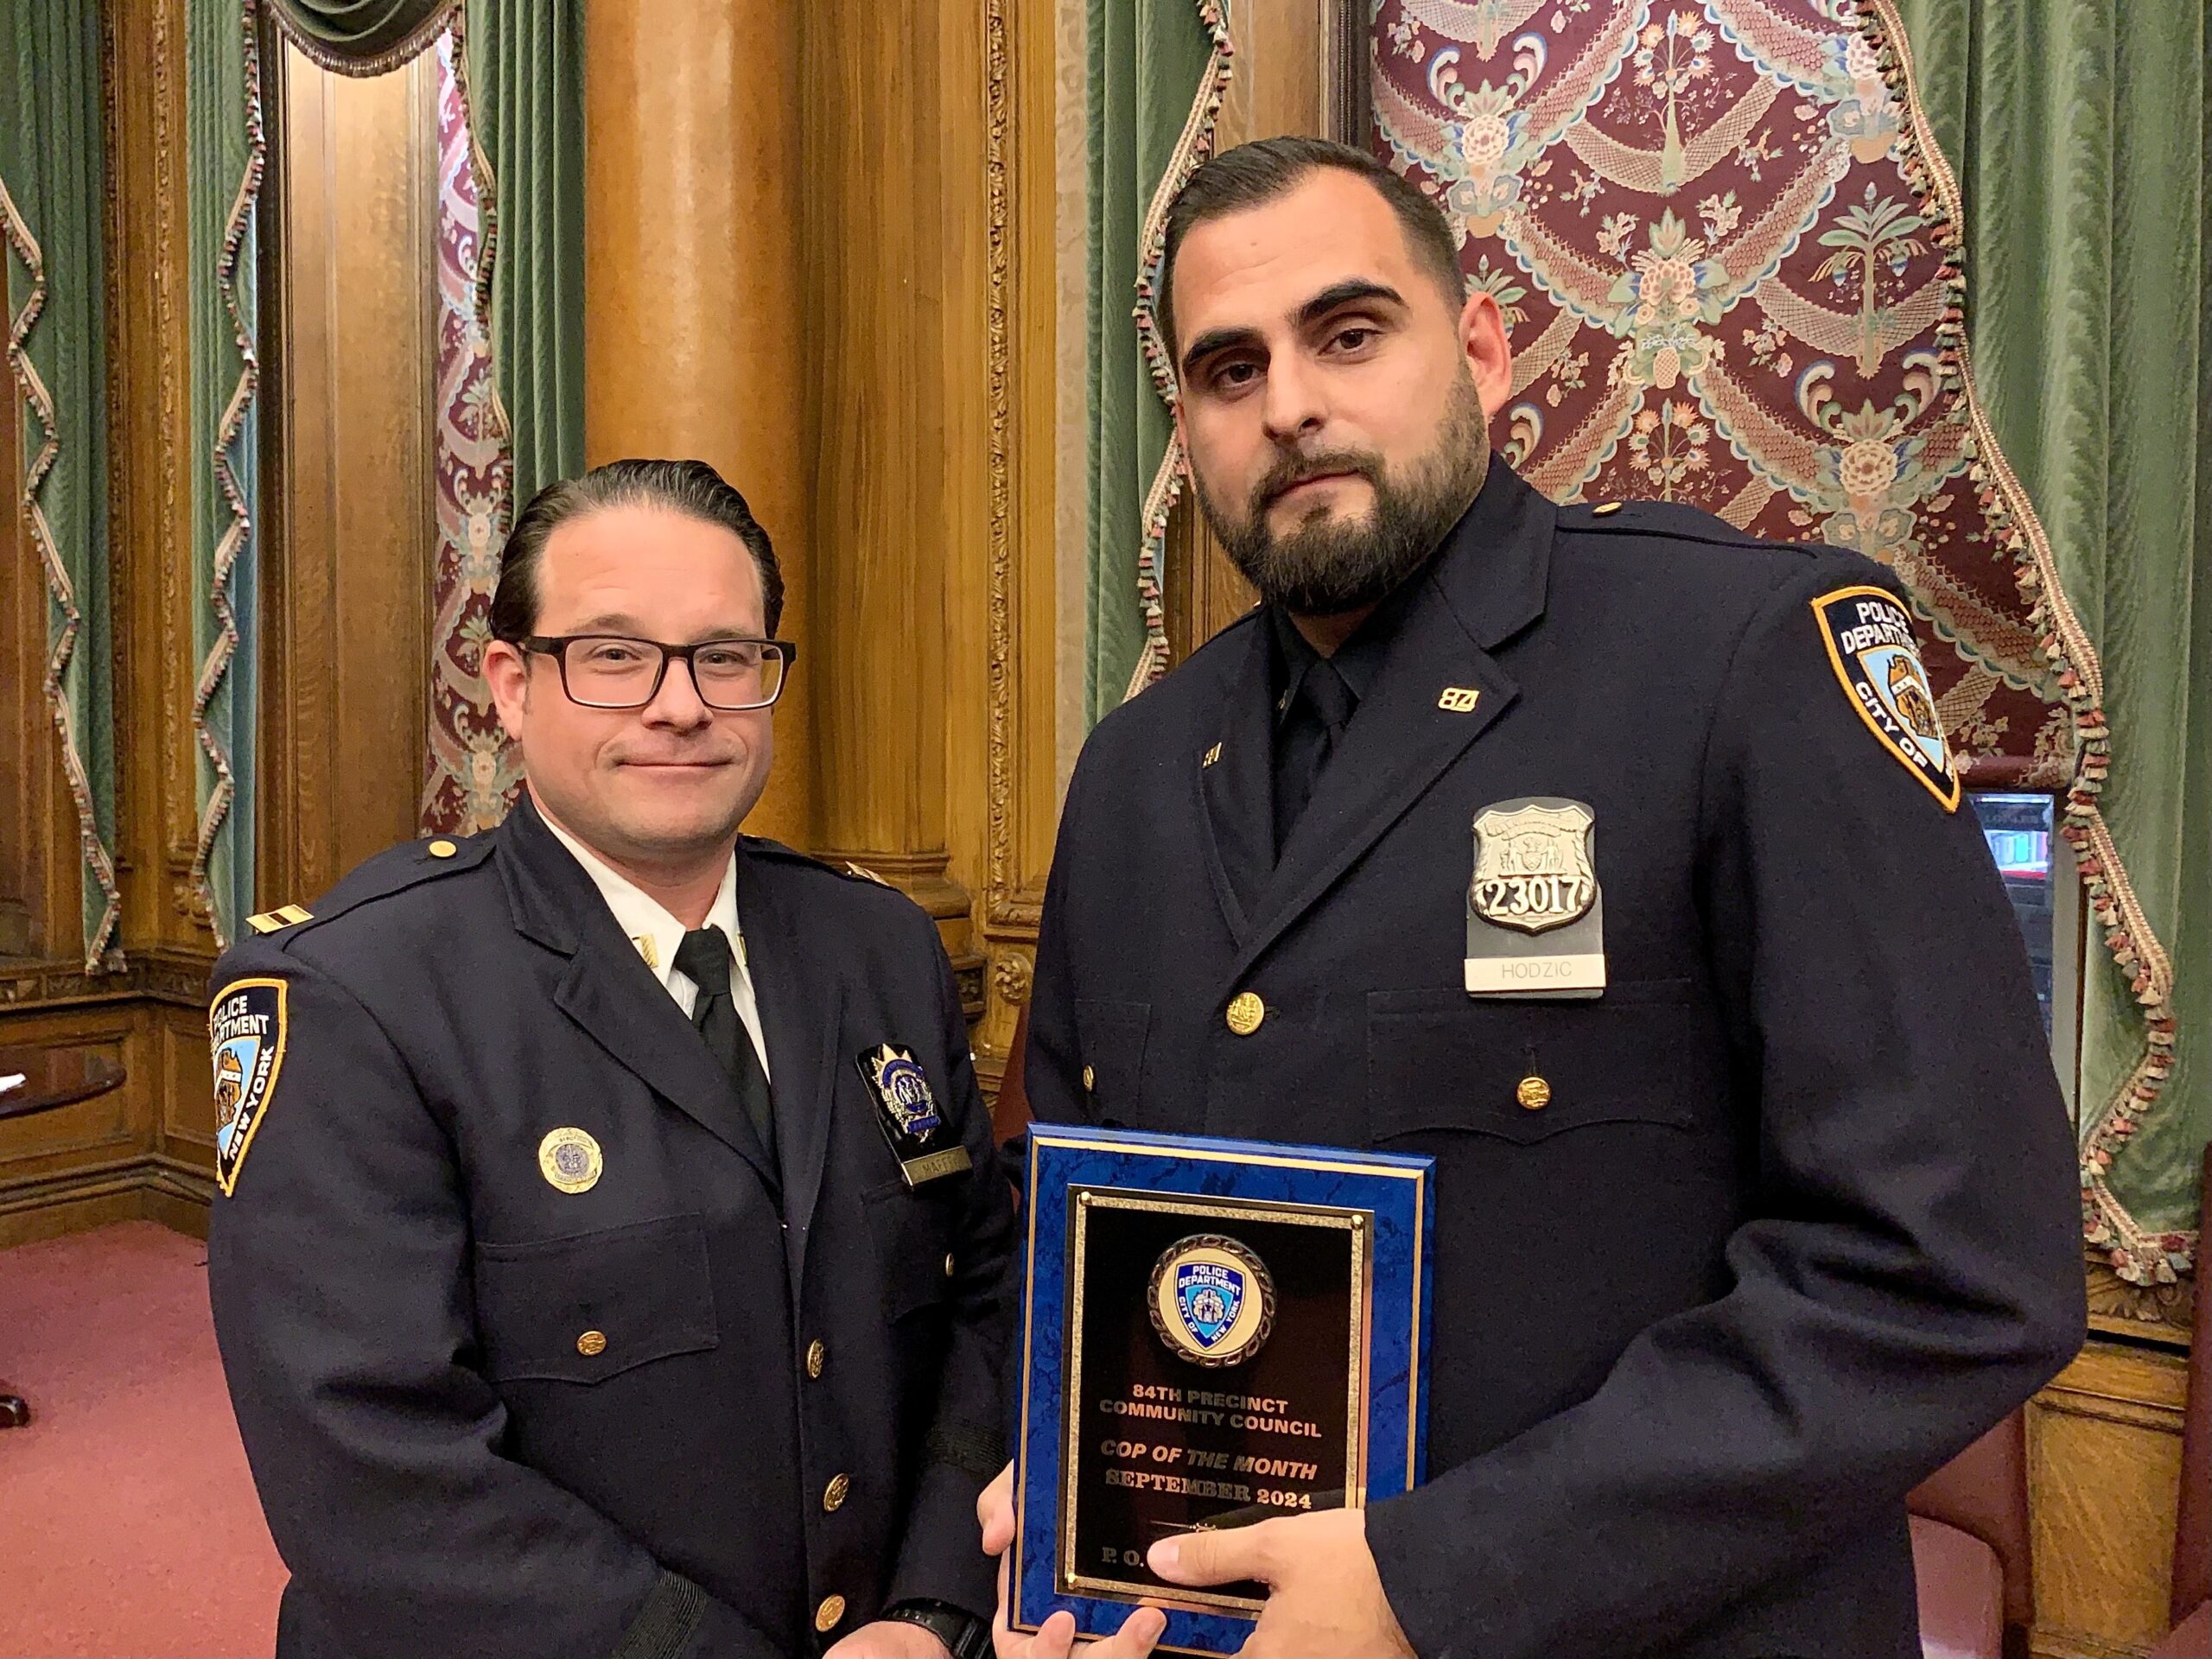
1212 1301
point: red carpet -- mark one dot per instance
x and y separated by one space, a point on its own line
128 1522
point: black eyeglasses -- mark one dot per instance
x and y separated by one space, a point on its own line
607 670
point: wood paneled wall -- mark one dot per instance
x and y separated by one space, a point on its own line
147 1148
349 533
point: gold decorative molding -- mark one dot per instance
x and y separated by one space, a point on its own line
164 974
1011 975
165 82
2157 1312
1005 903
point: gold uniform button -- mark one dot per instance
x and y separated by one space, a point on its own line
1534 1093
1090 1078
1245 1013
592 1342
1605 508
816 1355
833 1496
827 1615
442 849
950 1265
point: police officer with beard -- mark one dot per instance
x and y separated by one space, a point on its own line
610 1258
1618 862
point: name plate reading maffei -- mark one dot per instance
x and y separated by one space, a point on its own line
1216 1332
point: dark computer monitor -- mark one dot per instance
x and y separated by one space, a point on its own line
2020 829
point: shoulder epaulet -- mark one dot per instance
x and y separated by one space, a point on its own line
1674 519
395 870
761 847
283 915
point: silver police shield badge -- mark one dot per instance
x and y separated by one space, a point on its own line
1532 867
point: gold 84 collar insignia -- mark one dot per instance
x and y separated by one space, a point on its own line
1875 653
245 1038
907 1114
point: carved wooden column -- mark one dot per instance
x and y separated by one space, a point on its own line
896 468
693 332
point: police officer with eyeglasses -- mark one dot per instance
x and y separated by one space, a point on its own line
621 1270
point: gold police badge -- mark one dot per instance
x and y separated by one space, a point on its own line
1532 866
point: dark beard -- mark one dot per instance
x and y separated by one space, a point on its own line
1328 566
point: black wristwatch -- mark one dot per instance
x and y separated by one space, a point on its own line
964 1635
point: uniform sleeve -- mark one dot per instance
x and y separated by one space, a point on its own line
939 1558
344 1310
1912 1269
1051 1074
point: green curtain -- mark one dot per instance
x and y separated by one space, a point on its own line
224 157
51 169
362 37
1153 83
525 74
2082 134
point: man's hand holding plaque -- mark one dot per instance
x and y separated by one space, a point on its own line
1056 1637
1325 1596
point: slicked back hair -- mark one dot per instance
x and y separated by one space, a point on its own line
690 487
1259 172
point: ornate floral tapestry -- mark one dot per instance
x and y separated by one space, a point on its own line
473 771
1722 241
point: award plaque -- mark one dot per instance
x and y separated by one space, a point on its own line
1214 1332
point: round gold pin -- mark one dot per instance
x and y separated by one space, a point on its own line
1246 1011
1534 1093
442 849
570 1160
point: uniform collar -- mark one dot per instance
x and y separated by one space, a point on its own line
1492 568
645 921
1495 567
1358 660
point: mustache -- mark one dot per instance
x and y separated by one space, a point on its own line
1296 467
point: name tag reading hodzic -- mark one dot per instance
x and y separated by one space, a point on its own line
1536 919
907 1113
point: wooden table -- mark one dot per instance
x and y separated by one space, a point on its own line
53 1078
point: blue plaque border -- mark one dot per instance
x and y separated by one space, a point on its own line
1394 1188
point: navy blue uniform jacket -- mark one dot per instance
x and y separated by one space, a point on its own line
1800 1220
400 1292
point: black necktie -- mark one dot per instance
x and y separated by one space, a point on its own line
703 958
1322 707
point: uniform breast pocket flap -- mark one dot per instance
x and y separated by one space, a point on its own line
1443 1060
591 1306
916 1231
1110 1036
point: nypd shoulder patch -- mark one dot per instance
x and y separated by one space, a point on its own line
245 1033
1876 656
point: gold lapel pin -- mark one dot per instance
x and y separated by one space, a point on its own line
1211 755
1459 699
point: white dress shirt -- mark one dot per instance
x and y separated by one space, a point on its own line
656 933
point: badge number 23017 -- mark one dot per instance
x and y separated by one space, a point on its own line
1536 874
